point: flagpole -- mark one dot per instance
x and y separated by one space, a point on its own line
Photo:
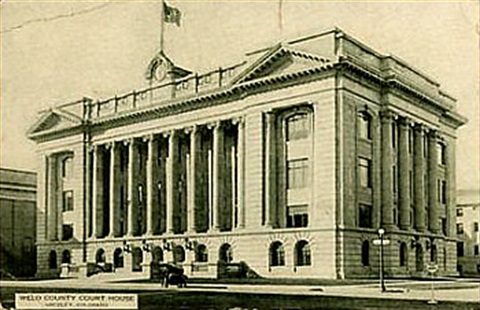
280 16
162 28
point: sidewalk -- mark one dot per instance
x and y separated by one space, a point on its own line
402 290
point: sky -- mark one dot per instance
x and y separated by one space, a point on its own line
55 52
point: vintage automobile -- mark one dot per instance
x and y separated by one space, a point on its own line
171 274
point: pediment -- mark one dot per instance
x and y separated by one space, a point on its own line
277 61
54 120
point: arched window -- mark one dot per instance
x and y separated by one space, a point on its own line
201 253
366 253
365 126
277 254
403 254
66 257
225 253
52 260
118 258
137 259
178 254
100 256
302 253
157 255
297 127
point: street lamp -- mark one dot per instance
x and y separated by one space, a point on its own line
381 234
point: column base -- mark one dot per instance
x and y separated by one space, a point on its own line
213 230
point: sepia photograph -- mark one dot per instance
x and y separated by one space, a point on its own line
244 154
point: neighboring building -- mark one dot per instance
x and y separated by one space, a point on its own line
468 219
289 161
17 222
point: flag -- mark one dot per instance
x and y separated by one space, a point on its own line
171 14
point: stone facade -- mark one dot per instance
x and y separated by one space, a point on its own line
289 162
17 222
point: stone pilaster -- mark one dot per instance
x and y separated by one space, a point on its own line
52 198
433 206
387 175
418 180
241 173
270 179
404 175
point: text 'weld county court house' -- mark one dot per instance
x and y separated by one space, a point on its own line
289 161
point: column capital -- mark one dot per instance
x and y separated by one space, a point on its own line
150 137
129 141
190 129
239 120
419 127
168 133
404 121
387 116
214 125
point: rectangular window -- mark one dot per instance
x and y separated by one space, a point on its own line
394 134
411 184
460 251
365 172
297 173
364 127
67 232
441 153
297 216
297 127
394 179
443 199
444 226
475 226
67 201
365 216
475 250
459 212
459 228
67 167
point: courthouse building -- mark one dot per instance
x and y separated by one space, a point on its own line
289 161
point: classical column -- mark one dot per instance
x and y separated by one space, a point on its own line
387 175
418 168
152 183
115 184
269 168
240 173
404 174
218 160
195 144
171 179
132 191
52 198
433 211
97 192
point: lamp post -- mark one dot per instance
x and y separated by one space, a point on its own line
381 233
